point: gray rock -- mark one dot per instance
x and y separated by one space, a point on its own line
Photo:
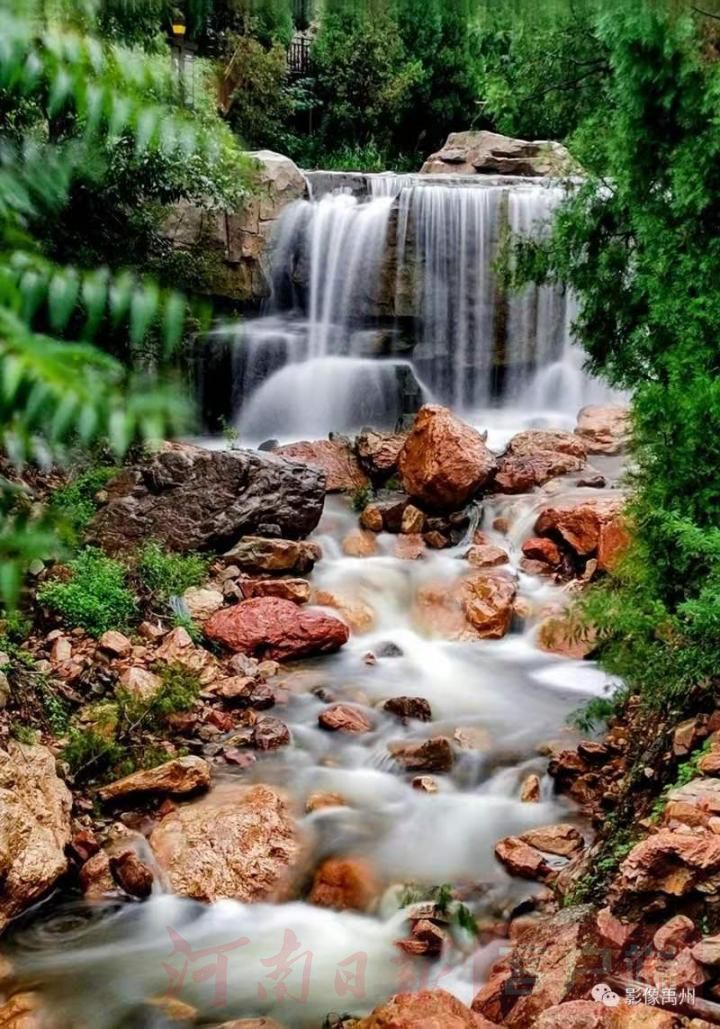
189 498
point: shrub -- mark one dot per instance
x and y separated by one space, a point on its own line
91 751
96 597
167 575
179 691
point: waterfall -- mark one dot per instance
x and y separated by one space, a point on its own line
387 290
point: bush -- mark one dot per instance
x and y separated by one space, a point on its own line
167 575
96 596
179 691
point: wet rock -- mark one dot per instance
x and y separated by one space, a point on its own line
344 884
542 549
479 152
132 874
25 1011
592 482
671 862
83 845
486 555
562 840
488 604
181 775
520 859
275 628
579 524
521 474
389 649
296 590
409 707
436 540
433 755
409 548
427 1009
472 737
202 603
530 791
543 441
115 643
562 635
269 734
34 826
352 609
378 452
333 457
343 718
413 521
189 498
284 556
359 543
385 513
241 691
444 462
321 801
96 880
238 842
605 430
425 784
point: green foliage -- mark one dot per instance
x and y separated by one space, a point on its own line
23 733
594 714
75 504
167 574
261 103
91 752
95 597
56 709
361 497
178 692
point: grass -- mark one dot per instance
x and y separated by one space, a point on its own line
95 597
168 575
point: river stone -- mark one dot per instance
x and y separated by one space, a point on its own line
34 826
181 775
333 457
188 498
580 523
238 842
284 556
444 462
279 629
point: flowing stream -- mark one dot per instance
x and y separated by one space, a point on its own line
305 367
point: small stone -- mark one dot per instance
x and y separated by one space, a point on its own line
344 884
436 540
530 790
321 801
413 521
521 859
242 691
61 650
181 775
342 718
239 758
425 784
268 668
202 603
270 733
409 707
675 934
96 879
433 755
149 631
707 951
132 874
371 518
115 643
141 682
359 543
241 664
542 549
486 556
561 840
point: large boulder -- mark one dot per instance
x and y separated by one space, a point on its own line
674 863
579 523
605 430
333 457
189 498
378 452
34 827
477 606
238 842
235 245
278 629
427 1009
444 462
534 457
489 153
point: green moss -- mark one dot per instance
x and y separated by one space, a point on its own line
96 596
75 504
166 574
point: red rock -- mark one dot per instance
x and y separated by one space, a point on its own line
522 474
520 858
675 934
444 462
614 542
488 604
540 549
342 718
579 524
672 862
486 556
433 755
530 790
409 707
344 884
140 682
115 643
436 540
360 543
543 441
604 430
320 801
270 733
276 628
576 1014
378 452
413 521
132 874
562 635
707 951
409 548
297 590
561 840
332 456
385 512
289 557
427 1009
96 881
612 929
83 845
181 775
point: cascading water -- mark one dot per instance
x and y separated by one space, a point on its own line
381 298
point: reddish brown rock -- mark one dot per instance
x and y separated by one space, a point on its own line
96 880
241 691
140 682
522 474
343 718
530 790
579 524
563 635
238 842
673 862
674 934
436 540
331 456
604 430
576 1014
344 884
115 643
542 549
613 930
543 441
707 951
520 859
270 627
614 542
385 513
409 707
428 1009
444 462
433 755
296 590
476 606
561 840
34 826
269 734
25 1011
181 775
413 521
486 555
378 452
320 801
488 604
132 874
360 543
409 548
